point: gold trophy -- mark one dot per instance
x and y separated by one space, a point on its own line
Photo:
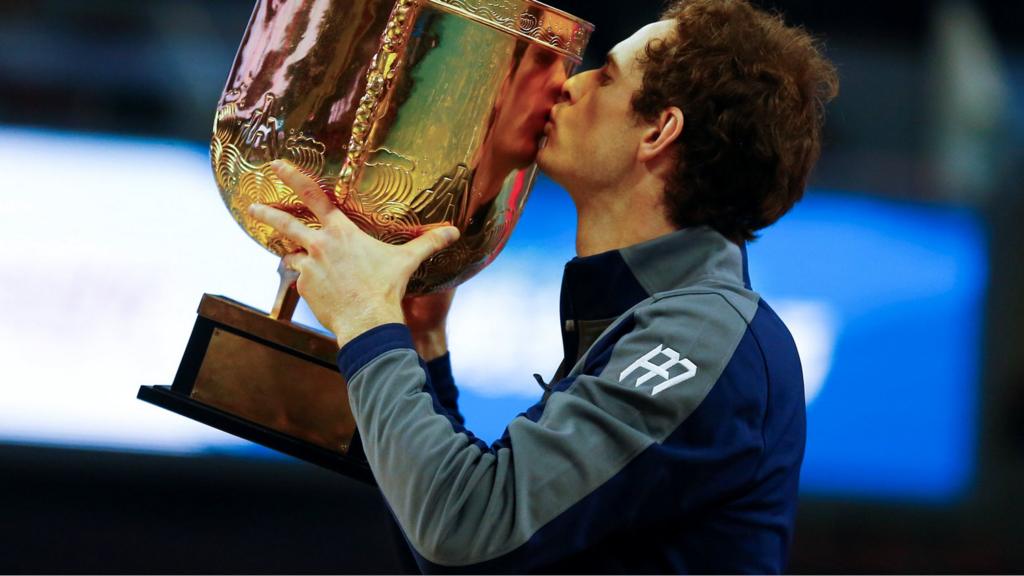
409 114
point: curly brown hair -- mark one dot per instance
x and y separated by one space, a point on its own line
752 91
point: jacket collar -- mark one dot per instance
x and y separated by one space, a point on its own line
604 286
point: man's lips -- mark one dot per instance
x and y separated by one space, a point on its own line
550 124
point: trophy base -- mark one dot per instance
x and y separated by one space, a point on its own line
164 397
268 381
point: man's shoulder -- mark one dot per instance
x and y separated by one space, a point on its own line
710 310
722 316
699 326
708 297
711 324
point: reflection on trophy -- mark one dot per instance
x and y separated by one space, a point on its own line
409 114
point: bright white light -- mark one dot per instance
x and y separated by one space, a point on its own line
108 246
503 328
814 326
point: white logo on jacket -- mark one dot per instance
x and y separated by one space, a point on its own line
660 370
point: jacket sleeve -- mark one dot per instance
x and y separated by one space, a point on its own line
440 384
595 448
440 379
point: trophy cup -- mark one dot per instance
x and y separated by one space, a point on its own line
409 114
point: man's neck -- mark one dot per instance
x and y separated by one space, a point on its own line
614 220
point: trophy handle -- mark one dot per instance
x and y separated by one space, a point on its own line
287 293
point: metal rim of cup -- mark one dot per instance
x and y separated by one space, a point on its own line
527 19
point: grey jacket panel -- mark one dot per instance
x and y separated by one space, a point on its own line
684 259
460 503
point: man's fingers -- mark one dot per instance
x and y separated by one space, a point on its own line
307 189
283 222
431 242
295 260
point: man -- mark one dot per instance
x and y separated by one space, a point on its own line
672 436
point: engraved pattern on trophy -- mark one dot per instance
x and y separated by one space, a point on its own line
481 245
547 25
390 205
451 189
241 151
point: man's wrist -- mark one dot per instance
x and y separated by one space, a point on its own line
370 345
347 329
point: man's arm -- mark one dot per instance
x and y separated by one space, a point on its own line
427 318
599 457
439 375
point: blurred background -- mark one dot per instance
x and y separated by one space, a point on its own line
899 274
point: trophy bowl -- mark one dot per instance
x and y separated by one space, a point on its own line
409 114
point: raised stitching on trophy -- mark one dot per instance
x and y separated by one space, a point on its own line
383 68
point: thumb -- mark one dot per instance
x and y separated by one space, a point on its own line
431 242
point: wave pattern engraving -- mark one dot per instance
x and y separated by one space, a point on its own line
474 251
385 205
241 151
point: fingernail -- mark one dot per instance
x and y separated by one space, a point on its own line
253 208
451 234
278 165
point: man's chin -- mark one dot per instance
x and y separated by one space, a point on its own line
544 163
549 166
545 157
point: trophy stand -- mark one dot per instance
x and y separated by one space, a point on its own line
262 378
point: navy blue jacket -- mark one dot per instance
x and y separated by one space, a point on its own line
670 440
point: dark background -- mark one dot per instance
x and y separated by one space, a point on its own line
156 68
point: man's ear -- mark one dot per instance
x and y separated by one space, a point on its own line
660 135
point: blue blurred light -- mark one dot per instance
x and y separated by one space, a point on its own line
897 415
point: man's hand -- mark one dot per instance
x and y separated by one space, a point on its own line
426 317
351 281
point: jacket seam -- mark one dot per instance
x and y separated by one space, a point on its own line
767 401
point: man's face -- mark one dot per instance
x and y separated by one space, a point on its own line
593 134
